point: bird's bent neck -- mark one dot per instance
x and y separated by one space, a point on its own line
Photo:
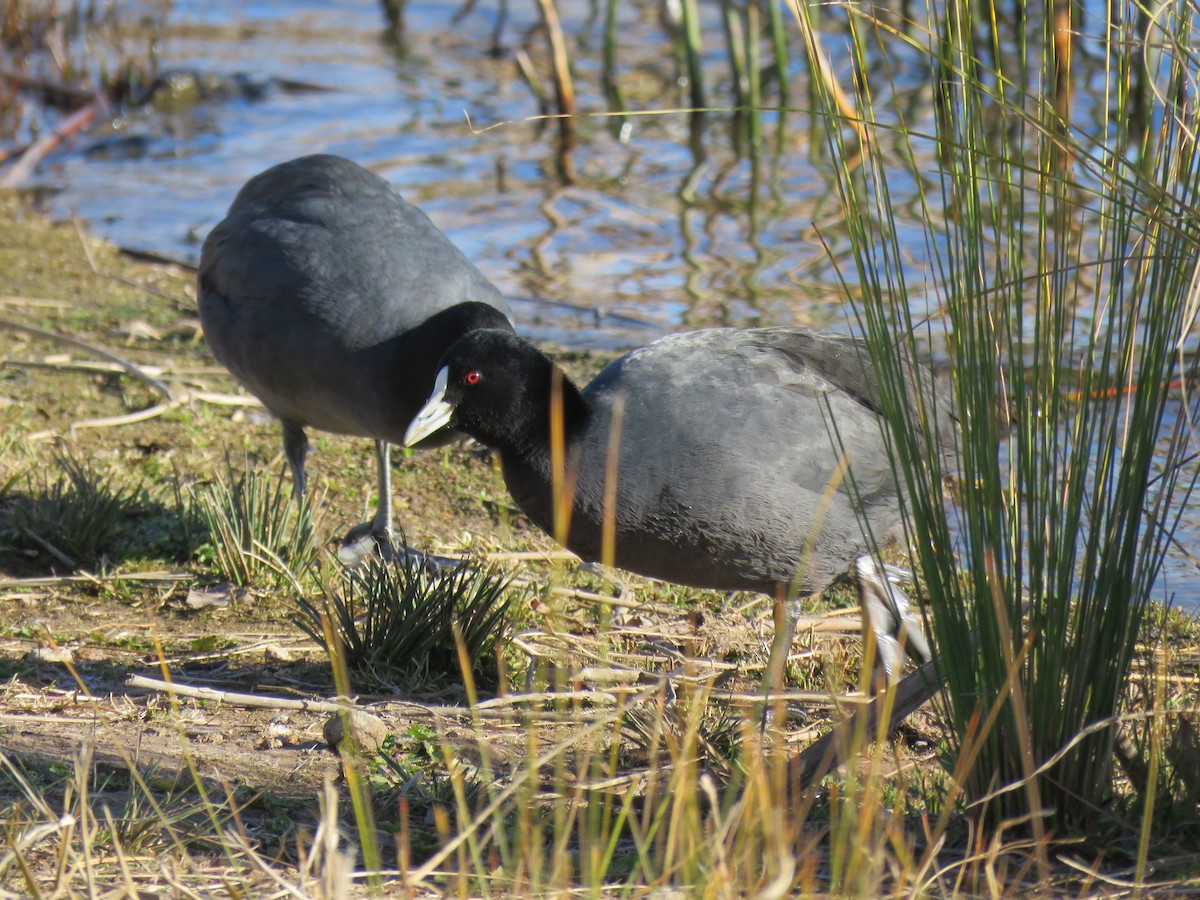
552 410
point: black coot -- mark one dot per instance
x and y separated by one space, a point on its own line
332 299
726 473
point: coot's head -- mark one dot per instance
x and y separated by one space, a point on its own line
497 388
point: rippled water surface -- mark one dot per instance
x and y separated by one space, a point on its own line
663 228
651 231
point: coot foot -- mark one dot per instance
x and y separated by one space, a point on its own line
887 613
363 542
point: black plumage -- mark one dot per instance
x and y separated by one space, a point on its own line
331 299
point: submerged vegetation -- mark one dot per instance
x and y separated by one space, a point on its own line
1061 252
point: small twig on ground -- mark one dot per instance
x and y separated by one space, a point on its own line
225 399
89 367
112 421
86 578
604 697
36 302
131 368
257 701
535 555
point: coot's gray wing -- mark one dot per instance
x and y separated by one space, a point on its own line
727 458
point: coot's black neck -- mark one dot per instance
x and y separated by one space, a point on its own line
541 403
527 457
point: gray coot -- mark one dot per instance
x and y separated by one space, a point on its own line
332 299
727 476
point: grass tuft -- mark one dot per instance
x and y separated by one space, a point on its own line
255 531
78 517
1063 254
396 621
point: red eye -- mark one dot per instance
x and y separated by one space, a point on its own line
473 377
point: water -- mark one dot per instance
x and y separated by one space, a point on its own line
659 232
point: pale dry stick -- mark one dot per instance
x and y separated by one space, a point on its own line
35 302
261 701
218 399
535 555
91 368
609 674
539 696
112 421
256 701
129 367
1113 881
87 578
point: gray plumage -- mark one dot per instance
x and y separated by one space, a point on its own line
331 299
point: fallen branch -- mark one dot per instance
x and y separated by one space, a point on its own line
255 701
43 147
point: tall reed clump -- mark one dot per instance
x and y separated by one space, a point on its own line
1062 251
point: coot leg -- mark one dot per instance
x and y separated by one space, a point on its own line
786 614
295 447
381 525
377 535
